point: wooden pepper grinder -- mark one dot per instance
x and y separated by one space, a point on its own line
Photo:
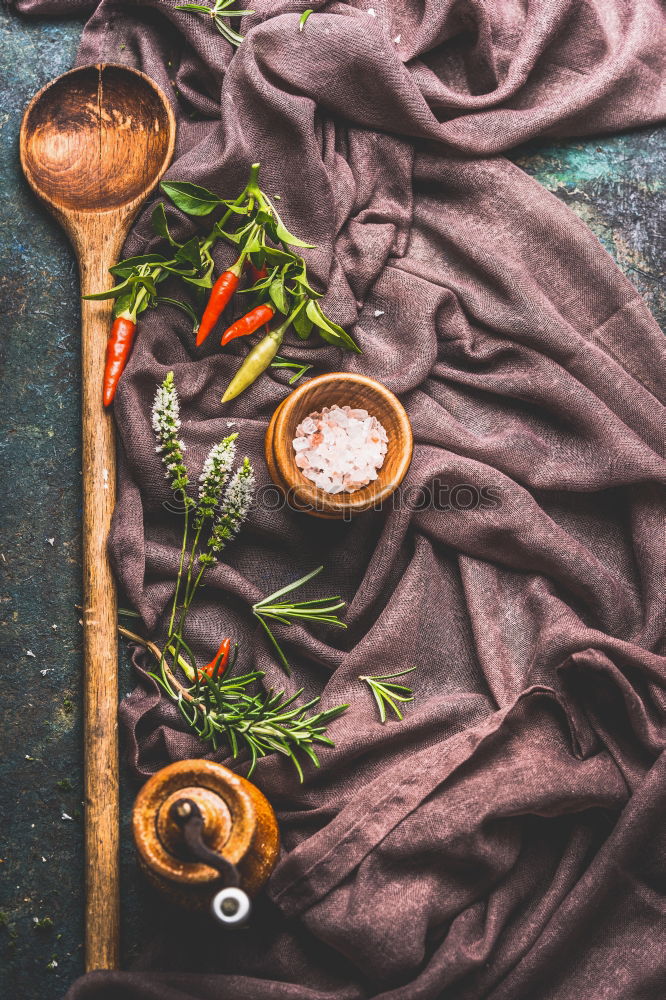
205 837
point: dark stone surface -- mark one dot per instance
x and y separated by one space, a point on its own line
614 184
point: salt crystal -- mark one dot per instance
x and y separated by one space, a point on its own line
340 448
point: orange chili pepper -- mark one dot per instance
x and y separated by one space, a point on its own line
247 324
220 661
219 299
117 353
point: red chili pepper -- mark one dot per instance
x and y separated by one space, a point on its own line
220 296
117 352
248 323
220 661
256 273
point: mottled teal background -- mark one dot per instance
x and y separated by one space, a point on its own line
615 184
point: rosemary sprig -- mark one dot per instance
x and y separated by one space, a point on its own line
387 694
321 609
261 722
218 12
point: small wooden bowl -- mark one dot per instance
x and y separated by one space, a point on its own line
343 389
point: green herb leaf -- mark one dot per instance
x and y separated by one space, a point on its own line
387 694
205 280
260 285
124 268
184 307
321 609
190 253
124 303
281 230
303 18
303 325
277 256
330 331
300 368
160 225
191 198
110 293
279 296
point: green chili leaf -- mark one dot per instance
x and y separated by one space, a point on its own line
287 237
299 368
328 330
110 293
123 303
303 18
147 283
190 253
133 281
281 231
279 296
205 281
303 325
300 277
160 225
237 209
124 268
260 285
278 256
191 198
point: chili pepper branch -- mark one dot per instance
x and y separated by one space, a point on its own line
266 248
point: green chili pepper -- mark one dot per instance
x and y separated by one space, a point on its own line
256 362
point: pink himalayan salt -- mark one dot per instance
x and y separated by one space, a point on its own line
340 448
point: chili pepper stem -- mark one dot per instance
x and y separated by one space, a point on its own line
252 186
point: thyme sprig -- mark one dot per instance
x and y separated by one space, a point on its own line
388 694
321 609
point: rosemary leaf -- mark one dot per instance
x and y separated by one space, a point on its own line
388 694
320 609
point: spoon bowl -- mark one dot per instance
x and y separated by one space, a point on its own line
95 138
94 143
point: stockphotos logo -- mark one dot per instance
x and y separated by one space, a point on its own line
437 495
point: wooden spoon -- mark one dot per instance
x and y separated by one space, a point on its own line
94 144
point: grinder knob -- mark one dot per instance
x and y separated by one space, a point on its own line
206 837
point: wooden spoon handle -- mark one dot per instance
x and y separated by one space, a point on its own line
100 723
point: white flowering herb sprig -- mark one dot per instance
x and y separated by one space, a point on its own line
209 522
166 424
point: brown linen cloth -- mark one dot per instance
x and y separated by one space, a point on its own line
506 840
